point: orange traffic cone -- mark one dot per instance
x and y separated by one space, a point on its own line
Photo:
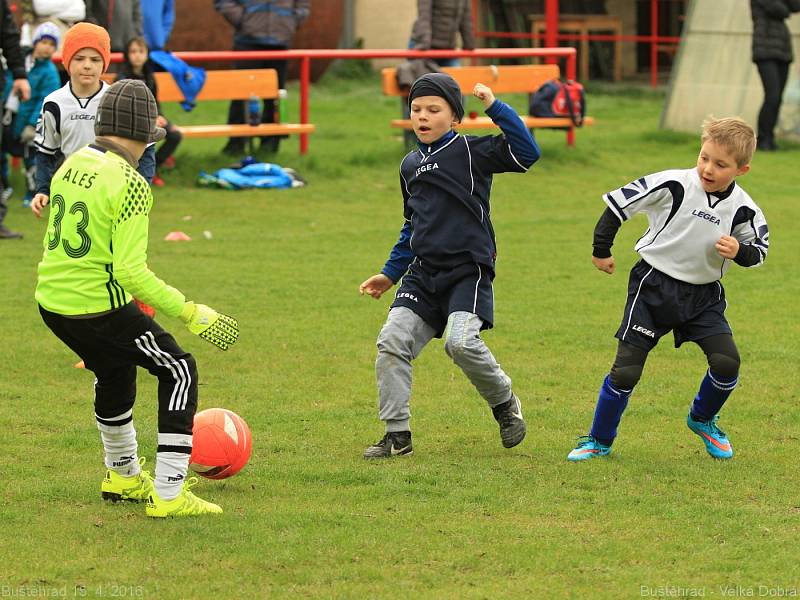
177 236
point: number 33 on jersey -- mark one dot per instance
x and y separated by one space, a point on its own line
96 237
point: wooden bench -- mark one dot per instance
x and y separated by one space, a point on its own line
503 80
229 85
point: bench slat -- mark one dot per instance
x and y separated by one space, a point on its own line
224 85
502 79
487 123
206 131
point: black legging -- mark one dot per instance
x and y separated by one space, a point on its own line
773 77
720 351
171 142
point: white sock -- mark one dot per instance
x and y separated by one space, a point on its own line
119 443
171 468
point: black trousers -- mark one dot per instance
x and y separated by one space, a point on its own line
773 77
113 345
171 142
236 112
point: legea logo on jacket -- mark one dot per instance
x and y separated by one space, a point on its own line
424 168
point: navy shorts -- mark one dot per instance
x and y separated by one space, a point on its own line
436 293
658 304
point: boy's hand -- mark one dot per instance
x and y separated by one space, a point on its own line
27 135
604 264
216 328
161 121
727 246
38 203
375 286
484 94
21 88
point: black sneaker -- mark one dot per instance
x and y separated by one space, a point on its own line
395 443
512 425
234 148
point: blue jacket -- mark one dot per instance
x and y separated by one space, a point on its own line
158 17
43 79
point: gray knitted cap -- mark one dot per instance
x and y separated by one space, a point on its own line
128 110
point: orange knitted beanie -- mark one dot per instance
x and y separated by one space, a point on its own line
86 35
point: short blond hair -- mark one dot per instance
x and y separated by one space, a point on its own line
732 133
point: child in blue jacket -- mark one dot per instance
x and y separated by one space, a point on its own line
19 120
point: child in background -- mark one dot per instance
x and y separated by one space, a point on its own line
43 77
67 120
137 66
446 256
700 221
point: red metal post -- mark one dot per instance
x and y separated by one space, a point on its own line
653 43
572 70
551 27
305 79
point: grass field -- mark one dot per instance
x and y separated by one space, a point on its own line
463 517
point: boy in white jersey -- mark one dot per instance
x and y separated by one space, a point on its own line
700 221
68 115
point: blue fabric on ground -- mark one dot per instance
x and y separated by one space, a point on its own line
254 175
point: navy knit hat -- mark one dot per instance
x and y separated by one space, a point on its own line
438 84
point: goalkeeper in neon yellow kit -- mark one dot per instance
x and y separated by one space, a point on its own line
95 253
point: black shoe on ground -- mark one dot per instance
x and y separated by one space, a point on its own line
512 425
234 149
7 234
395 443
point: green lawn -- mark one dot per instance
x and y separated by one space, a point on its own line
463 517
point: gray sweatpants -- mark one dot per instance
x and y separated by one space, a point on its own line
403 337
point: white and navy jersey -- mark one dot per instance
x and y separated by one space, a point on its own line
66 123
685 222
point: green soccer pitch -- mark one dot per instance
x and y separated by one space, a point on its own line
462 517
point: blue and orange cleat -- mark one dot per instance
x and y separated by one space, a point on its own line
587 448
717 443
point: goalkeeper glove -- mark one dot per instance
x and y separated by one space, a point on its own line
221 330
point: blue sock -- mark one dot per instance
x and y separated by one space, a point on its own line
714 391
611 403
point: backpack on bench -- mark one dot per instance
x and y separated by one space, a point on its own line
559 98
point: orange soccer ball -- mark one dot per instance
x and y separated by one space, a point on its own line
221 443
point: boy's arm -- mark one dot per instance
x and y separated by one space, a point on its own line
515 149
523 146
751 231
129 239
400 256
46 165
604 233
48 84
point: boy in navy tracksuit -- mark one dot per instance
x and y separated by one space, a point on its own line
446 256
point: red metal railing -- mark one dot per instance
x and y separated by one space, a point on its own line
551 36
306 56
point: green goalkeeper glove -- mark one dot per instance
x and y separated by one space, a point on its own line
221 330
